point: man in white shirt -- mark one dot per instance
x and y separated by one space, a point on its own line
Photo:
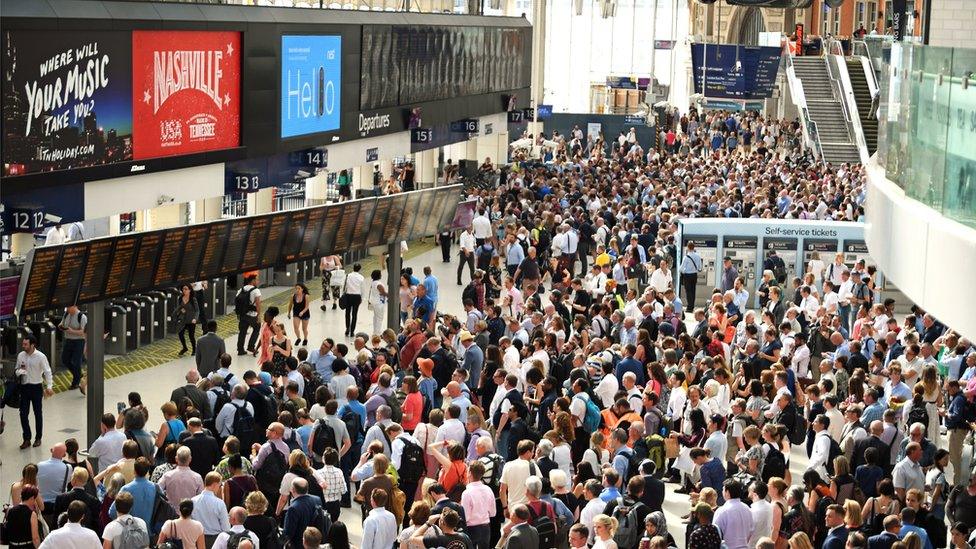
514 475
210 510
237 517
762 512
821 446
467 244
559 242
73 535
800 361
114 529
831 301
36 383
248 320
380 526
808 304
353 288
676 402
481 227
107 448
55 236
453 427
594 505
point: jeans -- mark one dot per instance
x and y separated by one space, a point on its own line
465 259
690 283
409 490
189 328
352 312
845 316
243 324
72 353
31 394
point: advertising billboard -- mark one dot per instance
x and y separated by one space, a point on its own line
186 89
66 100
310 84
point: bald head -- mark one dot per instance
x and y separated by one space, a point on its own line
237 516
192 376
58 451
877 427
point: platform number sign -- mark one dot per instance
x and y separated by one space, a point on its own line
318 158
516 117
247 183
422 135
468 125
23 220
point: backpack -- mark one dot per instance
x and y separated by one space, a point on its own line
412 462
591 421
271 472
629 527
293 442
236 538
797 425
132 536
311 385
543 524
223 397
497 465
835 451
469 293
244 426
242 302
774 465
633 464
354 424
325 437
396 412
779 270
266 409
656 453
918 414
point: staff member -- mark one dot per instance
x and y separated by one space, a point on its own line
73 351
691 265
35 372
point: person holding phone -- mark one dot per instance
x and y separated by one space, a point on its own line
36 383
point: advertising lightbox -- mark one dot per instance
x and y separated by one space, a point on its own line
310 84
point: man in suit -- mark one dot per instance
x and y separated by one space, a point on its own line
873 441
884 540
775 305
76 492
520 534
203 446
837 531
192 392
209 348
473 359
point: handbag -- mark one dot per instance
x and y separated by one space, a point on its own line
344 298
671 448
173 541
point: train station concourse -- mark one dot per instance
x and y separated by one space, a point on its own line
488 274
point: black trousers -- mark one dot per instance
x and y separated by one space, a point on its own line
203 315
465 259
582 251
445 240
191 329
480 536
352 312
72 352
244 324
409 490
690 282
31 394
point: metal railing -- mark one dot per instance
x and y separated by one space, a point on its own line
848 104
233 205
811 133
289 198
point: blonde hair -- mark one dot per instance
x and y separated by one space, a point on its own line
852 514
255 503
779 484
298 458
841 466
800 541
604 520
709 496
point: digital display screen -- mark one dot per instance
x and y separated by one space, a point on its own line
255 243
347 218
310 239
170 257
361 228
329 229
213 254
450 205
293 239
424 212
731 71
96 270
276 238
196 243
147 258
397 204
42 271
70 273
381 218
409 217
123 258
236 241
311 84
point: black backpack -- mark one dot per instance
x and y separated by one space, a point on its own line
543 524
354 424
918 414
242 302
312 384
223 397
629 528
469 293
833 453
244 427
325 437
412 463
271 472
774 465
396 412
235 539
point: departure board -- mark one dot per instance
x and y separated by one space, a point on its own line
347 218
193 249
381 218
276 239
409 216
170 257
293 238
361 229
397 203
213 253
119 274
147 257
450 203
43 264
310 240
436 213
255 243
330 226
96 270
236 242
71 269
423 215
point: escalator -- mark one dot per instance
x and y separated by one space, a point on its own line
862 95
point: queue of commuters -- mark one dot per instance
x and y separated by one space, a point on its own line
573 389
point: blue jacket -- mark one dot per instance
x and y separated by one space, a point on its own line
836 539
629 364
912 529
884 540
959 410
713 475
300 515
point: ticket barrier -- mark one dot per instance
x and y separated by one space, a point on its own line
287 275
133 323
12 335
172 327
218 287
208 298
147 318
160 311
46 333
312 269
116 323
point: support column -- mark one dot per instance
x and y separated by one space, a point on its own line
538 60
393 286
425 168
260 202
21 243
316 189
114 225
95 355
471 150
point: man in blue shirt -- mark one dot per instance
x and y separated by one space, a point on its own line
143 495
302 512
430 285
908 527
514 255
711 470
621 453
873 410
423 305
322 359
630 364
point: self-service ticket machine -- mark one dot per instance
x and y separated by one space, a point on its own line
743 251
823 249
147 328
160 311
46 333
707 248
786 250
117 326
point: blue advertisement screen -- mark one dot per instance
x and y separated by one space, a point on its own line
310 84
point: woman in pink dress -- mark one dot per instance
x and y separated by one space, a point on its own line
267 332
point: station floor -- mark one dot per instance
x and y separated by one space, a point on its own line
64 413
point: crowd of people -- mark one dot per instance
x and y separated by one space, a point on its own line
572 392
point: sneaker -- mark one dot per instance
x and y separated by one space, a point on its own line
323 307
183 351
334 306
